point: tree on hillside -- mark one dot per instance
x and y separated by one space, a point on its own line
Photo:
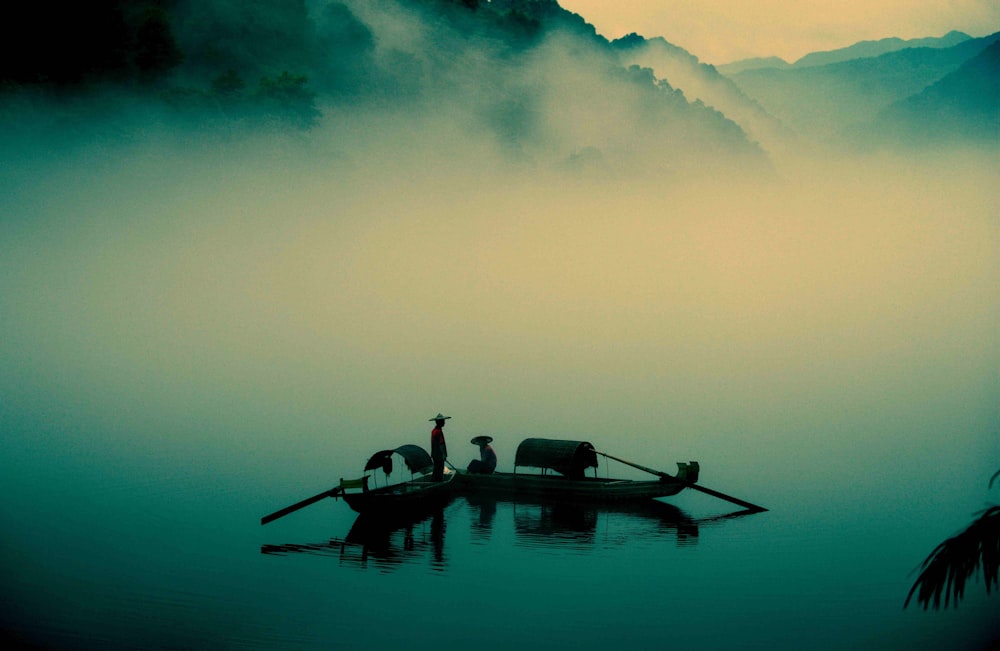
287 97
156 51
68 43
252 38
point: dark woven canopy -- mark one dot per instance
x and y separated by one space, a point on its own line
570 458
416 458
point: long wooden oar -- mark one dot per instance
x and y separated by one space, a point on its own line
333 492
688 484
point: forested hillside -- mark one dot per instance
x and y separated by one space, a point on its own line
536 79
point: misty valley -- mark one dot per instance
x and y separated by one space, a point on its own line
245 244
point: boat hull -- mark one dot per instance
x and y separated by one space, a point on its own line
561 488
409 497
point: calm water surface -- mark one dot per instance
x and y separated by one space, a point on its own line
144 565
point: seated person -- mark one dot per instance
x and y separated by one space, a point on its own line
487 461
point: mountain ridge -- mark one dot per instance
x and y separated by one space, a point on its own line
860 50
525 75
702 82
869 49
527 79
824 102
962 106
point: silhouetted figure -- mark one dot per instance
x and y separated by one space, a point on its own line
487 461
439 448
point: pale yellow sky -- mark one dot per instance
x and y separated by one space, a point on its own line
722 31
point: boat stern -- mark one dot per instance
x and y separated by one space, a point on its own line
688 471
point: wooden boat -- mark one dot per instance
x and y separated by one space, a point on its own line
570 459
409 497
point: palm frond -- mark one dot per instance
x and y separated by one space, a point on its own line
947 569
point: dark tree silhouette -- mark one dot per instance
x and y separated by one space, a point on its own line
951 564
156 51
287 96
229 84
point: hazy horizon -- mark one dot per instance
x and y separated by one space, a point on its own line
725 31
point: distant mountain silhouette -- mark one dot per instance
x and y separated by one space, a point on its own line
702 82
868 49
860 50
822 103
755 63
534 80
962 106
538 74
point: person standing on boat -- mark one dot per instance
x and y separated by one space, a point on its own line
487 461
439 448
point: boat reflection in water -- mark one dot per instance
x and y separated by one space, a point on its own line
560 526
581 526
383 542
540 523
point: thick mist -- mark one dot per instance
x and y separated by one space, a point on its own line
274 310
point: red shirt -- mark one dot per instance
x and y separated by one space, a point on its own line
439 449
